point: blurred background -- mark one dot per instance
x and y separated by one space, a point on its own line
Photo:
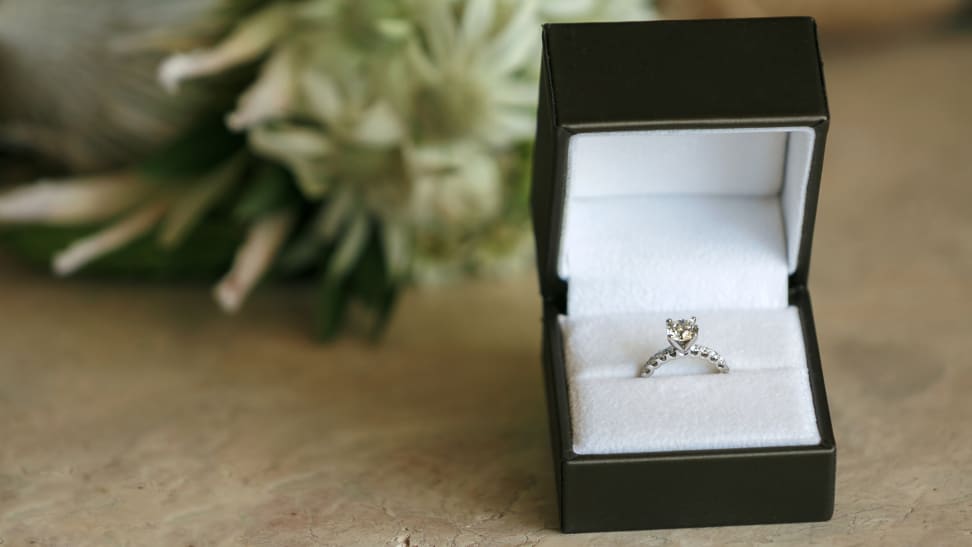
367 146
365 165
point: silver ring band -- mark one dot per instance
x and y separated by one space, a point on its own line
681 338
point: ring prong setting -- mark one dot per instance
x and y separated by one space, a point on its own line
681 335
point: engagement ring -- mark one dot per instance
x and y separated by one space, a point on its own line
681 337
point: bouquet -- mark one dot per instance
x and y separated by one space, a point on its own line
368 145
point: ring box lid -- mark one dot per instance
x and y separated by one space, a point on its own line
744 98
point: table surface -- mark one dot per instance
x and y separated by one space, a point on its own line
138 414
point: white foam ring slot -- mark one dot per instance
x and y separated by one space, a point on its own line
662 224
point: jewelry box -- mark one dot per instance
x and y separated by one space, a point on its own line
676 173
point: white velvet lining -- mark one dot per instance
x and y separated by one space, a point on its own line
764 401
669 252
738 162
664 224
744 409
624 171
793 195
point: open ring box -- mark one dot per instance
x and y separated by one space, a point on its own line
676 173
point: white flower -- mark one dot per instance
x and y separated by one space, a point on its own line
469 78
115 236
454 185
349 110
272 95
305 151
253 259
405 120
250 39
80 200
595 10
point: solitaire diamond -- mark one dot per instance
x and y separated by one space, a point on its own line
683 331
681 337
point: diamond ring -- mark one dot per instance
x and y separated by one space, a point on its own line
681 336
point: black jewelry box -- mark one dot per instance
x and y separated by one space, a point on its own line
676 168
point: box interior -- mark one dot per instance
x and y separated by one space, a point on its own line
662 224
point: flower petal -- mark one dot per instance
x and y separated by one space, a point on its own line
250 39
477 18
334 215
422 67
379 125
350 247
300 149
569 9
517 42
516 93
270 96
321 94
253 259
466 191
284 141
440 29
85 250
509 126
73 201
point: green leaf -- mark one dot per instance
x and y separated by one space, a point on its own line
195 202
518 206
194 152
270 188
332 303
397 250
349 247
333 289
336 213
214 243
302 254
363 280
384 311
372 285
320 232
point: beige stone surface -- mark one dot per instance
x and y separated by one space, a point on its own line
138 415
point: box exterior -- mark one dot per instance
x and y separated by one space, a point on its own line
664 75
744 73
688 489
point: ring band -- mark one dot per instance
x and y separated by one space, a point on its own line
681 336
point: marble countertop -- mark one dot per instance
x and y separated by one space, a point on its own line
137 414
